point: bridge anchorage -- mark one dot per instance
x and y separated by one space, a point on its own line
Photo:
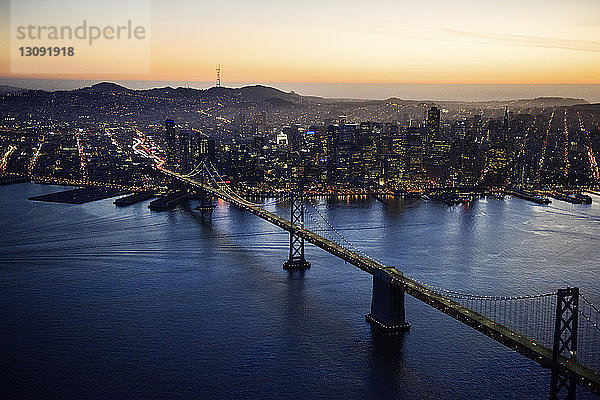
387 305
296 260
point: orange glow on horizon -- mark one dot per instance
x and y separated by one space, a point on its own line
463 43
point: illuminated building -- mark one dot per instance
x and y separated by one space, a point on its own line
171 142
432 128
195 148
414 152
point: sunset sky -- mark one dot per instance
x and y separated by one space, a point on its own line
428 41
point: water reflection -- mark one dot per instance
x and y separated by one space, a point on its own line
176 303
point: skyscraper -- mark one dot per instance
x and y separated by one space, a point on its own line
195 148
433 123
414 152
506 125
294 135
171 142
436 148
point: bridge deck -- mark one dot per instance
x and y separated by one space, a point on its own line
524 345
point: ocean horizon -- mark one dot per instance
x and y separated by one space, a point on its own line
370 91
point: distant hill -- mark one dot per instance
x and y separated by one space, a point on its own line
260 92
108 87
547 102
10 89
221 106
588 107
276 97
516 104
246 94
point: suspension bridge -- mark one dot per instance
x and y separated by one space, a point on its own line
558 330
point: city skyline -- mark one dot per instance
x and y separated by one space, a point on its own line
276 199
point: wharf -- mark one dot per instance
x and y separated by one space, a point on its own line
11 180
573 198
528 196
168 201
79 196
134 198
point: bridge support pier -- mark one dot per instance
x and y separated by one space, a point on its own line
563 386
296 259
387 305
206 206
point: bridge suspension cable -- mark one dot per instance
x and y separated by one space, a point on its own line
590 303
534 325
462 295
279 200
194 171
321 228
213 173
531 316
588 352
223 186
344 238
450 293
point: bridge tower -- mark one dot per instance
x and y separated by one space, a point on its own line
387 305
563 386
296 259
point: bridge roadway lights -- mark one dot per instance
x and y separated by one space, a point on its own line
296 264
387 305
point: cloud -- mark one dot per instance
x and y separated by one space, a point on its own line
413 31
526 41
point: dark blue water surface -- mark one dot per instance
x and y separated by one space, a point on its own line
102 302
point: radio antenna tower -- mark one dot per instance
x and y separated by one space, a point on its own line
218 75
